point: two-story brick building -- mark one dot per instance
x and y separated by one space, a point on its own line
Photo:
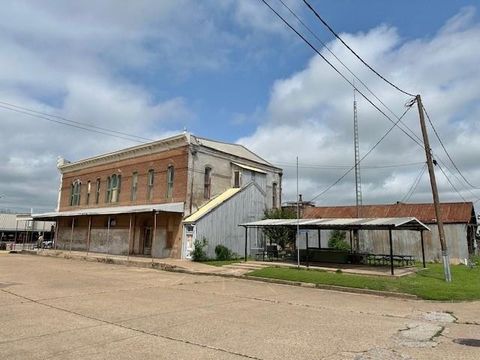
134 201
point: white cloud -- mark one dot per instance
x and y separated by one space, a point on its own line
310 114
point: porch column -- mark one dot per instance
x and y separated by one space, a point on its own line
154 235
319 238
129 237
89 234
108 235
55 237
423 249
391 250
16 231
71 233
246 242
24 235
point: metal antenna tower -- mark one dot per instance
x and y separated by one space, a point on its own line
358 180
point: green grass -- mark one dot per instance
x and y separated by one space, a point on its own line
426 284
221 262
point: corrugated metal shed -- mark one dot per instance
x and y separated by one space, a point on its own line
212 204
169 207
451 212
8 222
399 223
219 226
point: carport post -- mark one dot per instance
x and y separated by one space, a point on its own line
246 242
423 249
391 250
71 234
306 243
351 241
319 238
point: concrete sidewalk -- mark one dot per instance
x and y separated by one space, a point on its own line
236 269
168 264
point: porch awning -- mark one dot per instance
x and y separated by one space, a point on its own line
177 207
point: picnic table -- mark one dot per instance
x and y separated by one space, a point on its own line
384 259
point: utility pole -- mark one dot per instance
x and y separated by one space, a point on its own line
298 223
436 201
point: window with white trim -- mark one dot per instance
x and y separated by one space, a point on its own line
207 182
75 193
170 178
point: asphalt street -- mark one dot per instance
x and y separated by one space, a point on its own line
55 308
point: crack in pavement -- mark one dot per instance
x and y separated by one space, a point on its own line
171 338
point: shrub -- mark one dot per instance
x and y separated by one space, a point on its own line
337 240
199 253
223 253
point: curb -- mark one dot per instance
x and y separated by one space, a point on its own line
335 288
173 268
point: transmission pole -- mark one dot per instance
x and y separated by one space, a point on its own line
436 201
358 180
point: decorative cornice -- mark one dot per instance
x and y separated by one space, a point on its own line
128 153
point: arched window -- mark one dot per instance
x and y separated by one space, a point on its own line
207 182
150 178
97 191
75 193
108 192
170 178
113 188
116 185
89 189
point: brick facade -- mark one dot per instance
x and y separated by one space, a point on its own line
124 231
158 162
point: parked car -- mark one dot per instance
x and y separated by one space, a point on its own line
47 244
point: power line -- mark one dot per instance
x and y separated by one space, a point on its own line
345 66
363 157
414 185
445 150
340 167
451 184
86 128
465 188
352 51
339 72
73 121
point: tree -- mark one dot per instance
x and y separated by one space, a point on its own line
337 240
281 235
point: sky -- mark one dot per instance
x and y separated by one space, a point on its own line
231 71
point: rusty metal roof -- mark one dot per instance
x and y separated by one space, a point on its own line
396 223
451 212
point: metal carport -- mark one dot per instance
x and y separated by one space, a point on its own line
390 224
